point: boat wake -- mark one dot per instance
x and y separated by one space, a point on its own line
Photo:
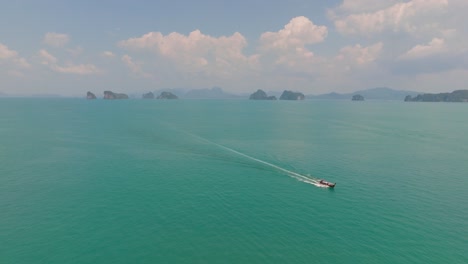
300 177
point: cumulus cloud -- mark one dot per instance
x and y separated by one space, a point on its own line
75 51
108 54
425 36
283 57
358 55
411 16
56 39
21 63
52 62
296 34
12 57
193 52
434 82
287 47
431 58
129 62
360 6
223 57
135 67
47 58
353 65
6 53
287 57
81 69
435 46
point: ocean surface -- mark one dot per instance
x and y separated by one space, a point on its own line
232 181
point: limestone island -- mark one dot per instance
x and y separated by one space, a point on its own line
149 95
455 96
357 97
261 95
167 95
114 96
90 96
290 95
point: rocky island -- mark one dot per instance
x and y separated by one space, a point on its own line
357 97
261 95
149 95
90 96
167 95
290 95
114 96
455 96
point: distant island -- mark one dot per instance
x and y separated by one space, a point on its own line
167 95
261 95
455 96
357 97
149 95
109 95
379 93
90 96
211 93
290 95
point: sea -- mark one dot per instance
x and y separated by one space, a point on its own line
232 181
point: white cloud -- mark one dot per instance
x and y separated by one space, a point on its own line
81 69
359 6
52 62
435 46
21 63
287 47
283 57
6 53
194 52
436 82
411 16
12 57
134 66
75 51
354 66
56 39
108 54
46 57
359 55
197 55
296 34
288 58
129 62
421 36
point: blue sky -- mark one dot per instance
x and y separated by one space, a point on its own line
70 47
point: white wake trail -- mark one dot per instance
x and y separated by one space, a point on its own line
293 174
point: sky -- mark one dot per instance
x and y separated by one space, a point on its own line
70 47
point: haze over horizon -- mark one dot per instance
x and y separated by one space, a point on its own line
316 47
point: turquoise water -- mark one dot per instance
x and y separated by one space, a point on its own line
200 181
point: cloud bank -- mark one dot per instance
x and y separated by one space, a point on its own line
14 63
365 43
56 39
51 62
